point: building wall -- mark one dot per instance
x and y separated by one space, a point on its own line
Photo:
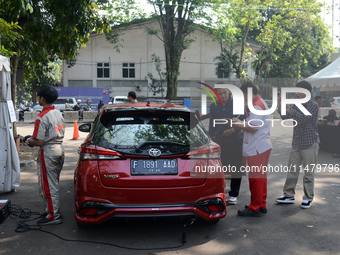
137 47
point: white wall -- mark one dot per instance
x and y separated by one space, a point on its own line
137 47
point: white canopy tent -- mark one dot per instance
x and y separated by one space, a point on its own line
9 158
328 78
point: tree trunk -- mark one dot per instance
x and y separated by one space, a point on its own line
34 91
172 79
298 63
239 69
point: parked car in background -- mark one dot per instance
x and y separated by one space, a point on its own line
59 103
148 160
155 100
119 100
335 102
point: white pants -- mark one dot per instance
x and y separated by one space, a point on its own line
50 162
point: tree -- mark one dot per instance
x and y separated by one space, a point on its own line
234 20
176 21
49 29
8 36
156 85
46 72
292 36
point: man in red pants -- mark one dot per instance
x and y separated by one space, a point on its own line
256 151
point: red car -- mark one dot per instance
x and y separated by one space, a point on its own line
148 160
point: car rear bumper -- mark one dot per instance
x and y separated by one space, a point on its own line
95 211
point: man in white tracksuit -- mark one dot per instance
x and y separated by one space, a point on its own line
49 129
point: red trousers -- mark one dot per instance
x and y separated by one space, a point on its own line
257 179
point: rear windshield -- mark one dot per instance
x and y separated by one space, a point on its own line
130 131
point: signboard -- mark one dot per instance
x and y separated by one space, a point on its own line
83 93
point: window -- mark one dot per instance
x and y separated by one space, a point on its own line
128 70
125 131
221 74
103 70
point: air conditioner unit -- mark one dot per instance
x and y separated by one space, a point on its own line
138 87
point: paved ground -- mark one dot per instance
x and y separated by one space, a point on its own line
286 229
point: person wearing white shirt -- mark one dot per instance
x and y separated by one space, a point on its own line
256 151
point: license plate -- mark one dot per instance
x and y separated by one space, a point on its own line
154 166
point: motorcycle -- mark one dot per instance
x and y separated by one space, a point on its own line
22 112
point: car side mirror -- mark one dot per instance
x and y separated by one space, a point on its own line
85 127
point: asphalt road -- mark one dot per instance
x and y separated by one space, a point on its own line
285 229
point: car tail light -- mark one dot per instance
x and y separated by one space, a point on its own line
205 152
216 208
92 153
93 209
88 212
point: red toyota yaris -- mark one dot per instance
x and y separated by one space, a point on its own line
148 160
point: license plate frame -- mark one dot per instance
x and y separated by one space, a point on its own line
154 167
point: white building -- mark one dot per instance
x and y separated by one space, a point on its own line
100 65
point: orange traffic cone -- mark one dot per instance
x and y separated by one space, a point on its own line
75 131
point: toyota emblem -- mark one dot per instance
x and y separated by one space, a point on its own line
153 152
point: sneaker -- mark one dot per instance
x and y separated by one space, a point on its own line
43 215
285 200
247 213
45 221
262 210
232 200
306 204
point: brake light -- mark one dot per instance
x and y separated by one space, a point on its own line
213 205
91 153
206 152
88 211
216 208
215 151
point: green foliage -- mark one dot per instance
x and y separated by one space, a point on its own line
156 85
8 36
293 37
231 28
49 29
121 12
45 73
227 62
